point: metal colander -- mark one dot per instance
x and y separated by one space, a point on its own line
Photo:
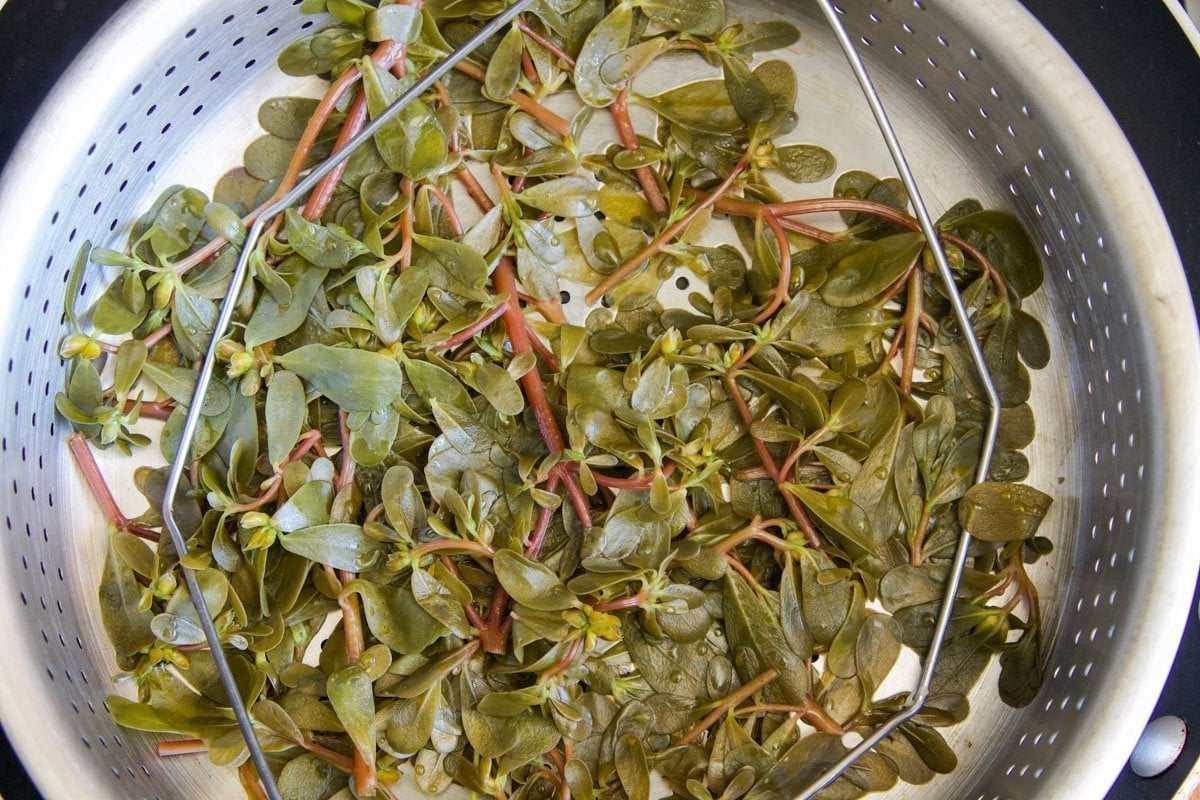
986 104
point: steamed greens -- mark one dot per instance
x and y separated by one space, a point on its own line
636 552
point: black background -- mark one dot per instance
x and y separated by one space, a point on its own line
1132 50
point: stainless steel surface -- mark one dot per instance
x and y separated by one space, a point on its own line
986 104
920 693
192 421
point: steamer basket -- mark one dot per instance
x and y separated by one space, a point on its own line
986 105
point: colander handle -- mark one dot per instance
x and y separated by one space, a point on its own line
192 422
920 693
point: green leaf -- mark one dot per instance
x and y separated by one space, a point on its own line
609 36
179 383
563 197
622 66
353 700
409 722
1007 245
532 583
307 777
127 367
225 221
308 506
1031 340
341 546
122 306
758 37
500 389
127 626
178 223
274 319
440 602
284 414
632 769
397 22
827 330
805 163
194 316
356 380
395 618
1021 670
452 266
504 67
317 244
431 383
867 273
751 623
75 282
837 512
321 52
702 105
1002 512
747 93
287 117
411 143
697 17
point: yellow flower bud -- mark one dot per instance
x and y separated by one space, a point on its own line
163 292
228 348
254 519
240 364
79 345
262 538
671 341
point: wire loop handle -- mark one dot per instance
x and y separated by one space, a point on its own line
918 696
192 422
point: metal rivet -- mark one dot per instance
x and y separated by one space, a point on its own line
1161 743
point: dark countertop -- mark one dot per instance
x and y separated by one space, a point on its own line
1132 50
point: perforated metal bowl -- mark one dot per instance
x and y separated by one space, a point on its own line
987 105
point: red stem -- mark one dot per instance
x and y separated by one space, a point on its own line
468 333
632 601
474 188
181 747
518 334
455 222
157 335
319 200
543 524
629 140
81 451
912 323
544 42
768 461
541 349
759 683
667 235
567 660
523 101
160 410
634 482
779 296
527 66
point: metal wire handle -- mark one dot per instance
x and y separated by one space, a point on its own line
918 696
192 422
920 693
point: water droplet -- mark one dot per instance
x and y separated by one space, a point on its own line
675 676
419 769
844 477
881 473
